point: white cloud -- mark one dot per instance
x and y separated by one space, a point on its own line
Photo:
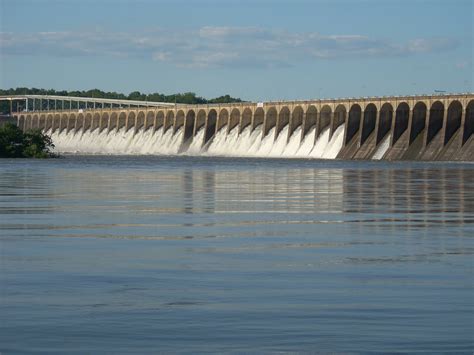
423 45
216 46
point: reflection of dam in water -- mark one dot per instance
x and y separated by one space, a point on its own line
411 197
389 128
390 200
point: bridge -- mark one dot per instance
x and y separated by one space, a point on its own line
19 103
424 127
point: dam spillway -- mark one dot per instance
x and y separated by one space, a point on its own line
438 127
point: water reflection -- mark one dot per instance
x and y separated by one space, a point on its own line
164 195
416 197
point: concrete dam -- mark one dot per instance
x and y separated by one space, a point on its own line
431 128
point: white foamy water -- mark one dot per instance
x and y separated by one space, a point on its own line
249 143
382 148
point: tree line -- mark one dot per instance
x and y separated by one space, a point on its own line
180 98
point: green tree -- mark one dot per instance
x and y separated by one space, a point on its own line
11 141
16 144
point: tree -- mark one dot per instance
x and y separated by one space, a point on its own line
16 144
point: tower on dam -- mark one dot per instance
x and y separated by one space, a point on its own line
438 127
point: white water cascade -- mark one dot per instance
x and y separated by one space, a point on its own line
382 147
249 143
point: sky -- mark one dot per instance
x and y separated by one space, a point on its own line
257 50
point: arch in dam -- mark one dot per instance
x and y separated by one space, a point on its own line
42 123
453 120
385 122
296 120
283 120
170 121
159 120
435 122
222 120
56 123
418 121
140 121
353 122
32 122
326 119
309 120
246 119
468 122
122 120
64 122
211 125
234 120
71 122
269 121
200 121
130 121
36 122
402 118
113 122
179 121
368 122
49 123
21 122
27 121
95 121
336 120
87 122
104 122
79 123
258 118
189 125
150 120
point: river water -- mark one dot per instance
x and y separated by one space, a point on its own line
193 254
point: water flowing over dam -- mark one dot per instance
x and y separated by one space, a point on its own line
246 144
436 127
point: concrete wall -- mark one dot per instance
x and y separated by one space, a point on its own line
437 127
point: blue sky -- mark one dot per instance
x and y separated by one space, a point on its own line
257 50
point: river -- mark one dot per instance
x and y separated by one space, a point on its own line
199 254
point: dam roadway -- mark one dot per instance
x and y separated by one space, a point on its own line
427 127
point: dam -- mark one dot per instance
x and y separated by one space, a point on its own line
425 127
